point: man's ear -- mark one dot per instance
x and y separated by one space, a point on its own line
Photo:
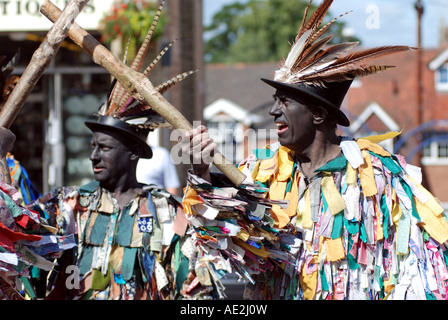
319 115
134 152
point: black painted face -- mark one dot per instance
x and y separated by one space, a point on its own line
293 119
111 159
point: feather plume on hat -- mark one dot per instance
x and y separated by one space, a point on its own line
323 73
311 62
121 105
126 115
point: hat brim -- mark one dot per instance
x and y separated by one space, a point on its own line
111 124
312 97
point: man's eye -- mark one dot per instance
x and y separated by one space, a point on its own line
282 100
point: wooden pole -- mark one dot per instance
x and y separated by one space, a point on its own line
41 59
138 85
419 116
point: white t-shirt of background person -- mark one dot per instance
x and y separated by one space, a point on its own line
158 170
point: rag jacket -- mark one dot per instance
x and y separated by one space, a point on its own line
139 252
29 242
362 227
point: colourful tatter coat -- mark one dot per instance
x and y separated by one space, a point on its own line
362 228
137 253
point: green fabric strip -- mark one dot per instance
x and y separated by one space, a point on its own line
338 221
337 164
386 216
99 229
85 262
90 187
337 226
182 271
125 227
28 287
100 281
389 163
324 282
263 154
127 265
351 226
12 206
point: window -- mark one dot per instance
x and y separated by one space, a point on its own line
443 149
435 151
441 78
443 74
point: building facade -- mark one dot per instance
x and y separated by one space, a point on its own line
52 141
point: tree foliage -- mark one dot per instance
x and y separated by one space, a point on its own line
257 31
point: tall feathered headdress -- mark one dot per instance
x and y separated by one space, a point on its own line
122 112
323 72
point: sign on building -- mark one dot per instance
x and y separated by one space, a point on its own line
24 15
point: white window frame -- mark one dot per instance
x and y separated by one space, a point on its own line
433 159
441 86
375 109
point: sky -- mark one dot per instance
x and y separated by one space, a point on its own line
377 22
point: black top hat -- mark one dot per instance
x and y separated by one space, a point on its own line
330 96
105 123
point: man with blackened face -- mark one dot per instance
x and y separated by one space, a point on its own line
320 216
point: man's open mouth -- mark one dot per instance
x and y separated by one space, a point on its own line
281 127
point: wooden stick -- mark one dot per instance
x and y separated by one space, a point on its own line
40 60
138 85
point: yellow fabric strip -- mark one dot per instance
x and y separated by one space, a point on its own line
277 191
433 222
259 252
379 226
383 137
243 235
308 283
190 199
396 212
267 168
285 164
432 202
367 177
335 250
335 201
255 171
293 196
375 148
352 174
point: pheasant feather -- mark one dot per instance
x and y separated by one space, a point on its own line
168 84
312 62
316 19
121 104
138 61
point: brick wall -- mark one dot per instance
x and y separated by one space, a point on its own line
396 92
